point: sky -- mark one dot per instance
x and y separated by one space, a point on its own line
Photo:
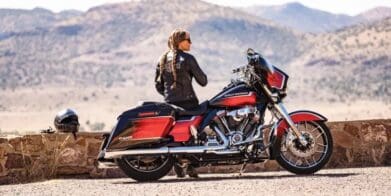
350 7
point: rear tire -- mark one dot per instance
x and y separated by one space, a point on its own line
136 172
283 156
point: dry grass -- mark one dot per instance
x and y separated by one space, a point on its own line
35 109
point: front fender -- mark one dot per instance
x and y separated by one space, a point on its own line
297 116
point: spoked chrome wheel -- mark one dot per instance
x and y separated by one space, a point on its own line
146 168
309 158
146 164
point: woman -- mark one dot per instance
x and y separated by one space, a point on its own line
175 71
174 74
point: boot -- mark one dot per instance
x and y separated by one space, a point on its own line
192 172
179 170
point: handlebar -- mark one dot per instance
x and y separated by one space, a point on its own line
236 70
249 76
240 69
248 71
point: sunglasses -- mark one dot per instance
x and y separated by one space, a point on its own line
189 40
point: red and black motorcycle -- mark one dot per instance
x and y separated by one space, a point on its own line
228 129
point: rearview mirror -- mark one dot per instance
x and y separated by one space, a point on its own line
256 59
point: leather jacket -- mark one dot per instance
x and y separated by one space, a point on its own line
183 94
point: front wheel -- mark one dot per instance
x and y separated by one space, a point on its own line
310 158
146 168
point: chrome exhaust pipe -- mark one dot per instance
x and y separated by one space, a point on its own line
116 154
221 149
106 165
172 150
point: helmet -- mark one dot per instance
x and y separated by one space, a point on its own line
67 121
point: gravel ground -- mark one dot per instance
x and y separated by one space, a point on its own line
355 181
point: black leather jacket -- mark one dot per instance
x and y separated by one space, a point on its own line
186 68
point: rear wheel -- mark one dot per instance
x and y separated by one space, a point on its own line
146 168
310 158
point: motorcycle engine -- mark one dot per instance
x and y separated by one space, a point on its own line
237 125
240 123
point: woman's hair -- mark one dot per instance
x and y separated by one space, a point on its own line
175 38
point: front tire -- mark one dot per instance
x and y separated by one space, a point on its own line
302 160
146 168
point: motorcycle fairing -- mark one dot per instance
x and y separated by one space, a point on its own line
278 80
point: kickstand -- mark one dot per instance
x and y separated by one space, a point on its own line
242 169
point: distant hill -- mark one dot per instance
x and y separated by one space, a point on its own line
350 64
300 17
307 19
120 43
102 61
374 14
18 20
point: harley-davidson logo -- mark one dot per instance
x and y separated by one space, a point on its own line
127 138
144 114
237 94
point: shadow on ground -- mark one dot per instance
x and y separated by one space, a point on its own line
237 177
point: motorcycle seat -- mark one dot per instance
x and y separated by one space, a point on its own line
201 109
142 103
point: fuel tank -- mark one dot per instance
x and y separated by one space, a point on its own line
235 96
147 123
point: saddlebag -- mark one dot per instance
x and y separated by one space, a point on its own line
146 124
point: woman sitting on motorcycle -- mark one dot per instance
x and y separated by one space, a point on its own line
174 74
175 71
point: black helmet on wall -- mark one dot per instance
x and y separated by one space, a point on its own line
67 121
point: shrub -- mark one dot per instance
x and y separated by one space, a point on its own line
98 126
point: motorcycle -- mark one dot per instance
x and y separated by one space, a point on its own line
229 129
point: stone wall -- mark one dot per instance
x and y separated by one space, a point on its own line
44 156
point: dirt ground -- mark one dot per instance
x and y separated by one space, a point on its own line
354 181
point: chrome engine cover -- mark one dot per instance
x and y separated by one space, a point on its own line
241 113
235 137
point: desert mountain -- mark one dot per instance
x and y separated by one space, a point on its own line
120 43
354 63
375 14
18 20
300 17
102 61
305 19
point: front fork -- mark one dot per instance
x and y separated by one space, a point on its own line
284 114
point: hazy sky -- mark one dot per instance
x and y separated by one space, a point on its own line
351 7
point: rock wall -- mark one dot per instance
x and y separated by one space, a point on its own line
44 156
